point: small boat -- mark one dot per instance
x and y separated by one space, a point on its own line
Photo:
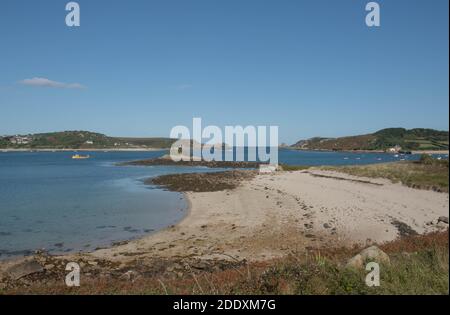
80 157
396 155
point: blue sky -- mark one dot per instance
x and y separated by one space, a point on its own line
138 68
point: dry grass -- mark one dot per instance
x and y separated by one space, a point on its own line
419 265
421 175
289 168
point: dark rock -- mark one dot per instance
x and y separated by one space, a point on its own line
24 268
210 164
443 219
130 275
403 228
202 182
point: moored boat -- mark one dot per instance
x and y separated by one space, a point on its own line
80 157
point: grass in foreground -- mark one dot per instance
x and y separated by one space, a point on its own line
427 173
419 265
289 168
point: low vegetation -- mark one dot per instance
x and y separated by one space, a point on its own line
419 265
427 173
289 168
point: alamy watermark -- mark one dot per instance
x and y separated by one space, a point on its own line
73 17
373 277
233 143
372 18
73 277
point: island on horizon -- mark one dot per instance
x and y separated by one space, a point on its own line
391 140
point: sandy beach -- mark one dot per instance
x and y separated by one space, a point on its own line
274 214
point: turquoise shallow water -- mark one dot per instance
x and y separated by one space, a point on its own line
49 201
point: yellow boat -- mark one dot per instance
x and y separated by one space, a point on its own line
80 157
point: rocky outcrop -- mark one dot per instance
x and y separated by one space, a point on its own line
24 268
440 223
372 253
210 164
443 219
46 270
201 182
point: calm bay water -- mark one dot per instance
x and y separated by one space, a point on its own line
294 157
48 200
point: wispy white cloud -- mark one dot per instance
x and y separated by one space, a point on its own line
184 86
43 82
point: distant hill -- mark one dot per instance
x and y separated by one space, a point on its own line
412 139
80 140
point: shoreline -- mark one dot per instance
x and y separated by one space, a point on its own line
306 209
265 219
247 222
85 150
283 217
445 152
367 151
166 160
413 152
334 151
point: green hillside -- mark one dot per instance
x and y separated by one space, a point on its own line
80 140
3 143
412 139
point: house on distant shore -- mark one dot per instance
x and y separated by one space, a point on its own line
20 139
89 142
395 149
